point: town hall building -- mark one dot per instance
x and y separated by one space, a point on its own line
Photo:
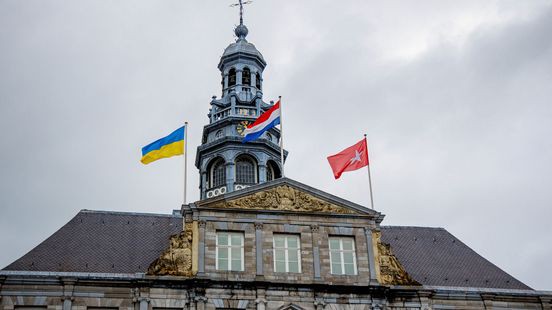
254 240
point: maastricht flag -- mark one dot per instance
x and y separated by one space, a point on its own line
351 158
266 121
168 146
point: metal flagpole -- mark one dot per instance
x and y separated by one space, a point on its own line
369 176
185 158
281 137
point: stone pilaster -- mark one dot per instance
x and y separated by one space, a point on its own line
315 251
371 257
261 303
319 304
200 302
546 302
259 248
426 301
230 177
144 303
201 248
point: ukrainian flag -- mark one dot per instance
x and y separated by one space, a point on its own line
168 146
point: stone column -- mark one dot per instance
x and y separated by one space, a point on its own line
259 248
487 300
319 304
239 80
426 302
262 173
230 177
67 302
546 302
315 251
371 257
68 287
261 303
200 302
201 250
144 303
203 183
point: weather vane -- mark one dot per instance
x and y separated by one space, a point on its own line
241 3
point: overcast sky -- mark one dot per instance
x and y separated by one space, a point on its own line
455 96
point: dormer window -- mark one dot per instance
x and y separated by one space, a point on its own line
232 77
246 77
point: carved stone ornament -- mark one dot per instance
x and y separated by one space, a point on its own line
177 259
391 270
284 198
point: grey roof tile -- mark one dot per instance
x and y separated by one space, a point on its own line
434 257
105 242
116 242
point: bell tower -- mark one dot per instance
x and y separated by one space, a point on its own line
225 163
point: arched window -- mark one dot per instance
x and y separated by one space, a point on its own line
272 171
246 77
232 77
258 80
218 134
246 170
217 174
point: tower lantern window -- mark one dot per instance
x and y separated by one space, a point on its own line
232 77
258 80
246 76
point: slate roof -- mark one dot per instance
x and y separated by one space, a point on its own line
103 242
434 257
116 242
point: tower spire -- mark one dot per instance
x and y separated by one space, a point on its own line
241 30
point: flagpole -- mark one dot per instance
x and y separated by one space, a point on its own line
281 137
185 158
369 176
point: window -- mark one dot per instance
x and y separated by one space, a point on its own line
232 77
272 171
342 255
218 134
246 76
217 174
287 253
229 251
245 171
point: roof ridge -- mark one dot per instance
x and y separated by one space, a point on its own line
126 213
406 227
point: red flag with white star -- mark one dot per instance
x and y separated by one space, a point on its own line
351 158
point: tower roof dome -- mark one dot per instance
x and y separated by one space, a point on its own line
241 45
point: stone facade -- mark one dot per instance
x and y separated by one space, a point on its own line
169 262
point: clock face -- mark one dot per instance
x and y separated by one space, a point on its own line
241 127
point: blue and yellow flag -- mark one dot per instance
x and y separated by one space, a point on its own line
168 146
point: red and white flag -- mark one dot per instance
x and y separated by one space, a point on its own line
351 158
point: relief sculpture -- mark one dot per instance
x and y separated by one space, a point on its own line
391 270
177 259
284 198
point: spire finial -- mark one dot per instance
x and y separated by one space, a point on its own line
241 30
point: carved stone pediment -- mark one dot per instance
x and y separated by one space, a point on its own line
283 198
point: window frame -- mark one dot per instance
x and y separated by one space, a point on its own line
229 247
286 252
238 174
341 252
212 173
